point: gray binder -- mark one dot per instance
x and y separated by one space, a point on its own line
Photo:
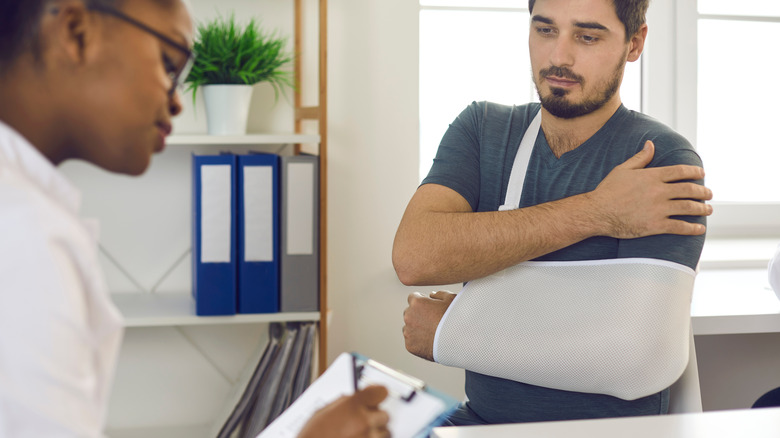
300 275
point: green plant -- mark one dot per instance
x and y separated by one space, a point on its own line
227 54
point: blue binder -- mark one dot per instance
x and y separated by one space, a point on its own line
258 233
213 234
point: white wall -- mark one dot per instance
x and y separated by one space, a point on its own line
373 153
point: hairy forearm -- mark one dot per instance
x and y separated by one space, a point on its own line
452 247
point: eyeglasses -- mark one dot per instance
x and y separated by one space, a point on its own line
176 74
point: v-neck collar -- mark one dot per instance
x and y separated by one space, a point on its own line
548 158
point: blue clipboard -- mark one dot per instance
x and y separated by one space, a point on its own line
414 407
401 386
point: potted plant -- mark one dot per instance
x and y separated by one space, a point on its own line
229 61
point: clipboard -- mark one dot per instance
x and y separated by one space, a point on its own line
414 408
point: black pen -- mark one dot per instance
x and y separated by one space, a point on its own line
355 372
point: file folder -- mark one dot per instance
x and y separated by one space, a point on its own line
213 234
259 415
300 234
414 408
258 233
248 390
303 376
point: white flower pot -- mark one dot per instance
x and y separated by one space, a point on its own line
227 108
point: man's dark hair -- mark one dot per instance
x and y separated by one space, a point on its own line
630 12
20 24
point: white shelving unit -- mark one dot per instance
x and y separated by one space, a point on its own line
178 309
249 139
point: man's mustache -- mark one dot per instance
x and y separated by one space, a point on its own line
560 72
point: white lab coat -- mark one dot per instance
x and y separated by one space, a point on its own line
59 331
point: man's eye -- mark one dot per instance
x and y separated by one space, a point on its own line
589 39
544 31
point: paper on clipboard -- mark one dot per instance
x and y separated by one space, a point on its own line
408 419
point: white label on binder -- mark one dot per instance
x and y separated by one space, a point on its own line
215 213
300 208
258 214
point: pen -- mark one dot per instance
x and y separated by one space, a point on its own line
355 372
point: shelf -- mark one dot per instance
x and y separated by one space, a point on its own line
178 309
248 139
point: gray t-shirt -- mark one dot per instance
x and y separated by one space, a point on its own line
475 159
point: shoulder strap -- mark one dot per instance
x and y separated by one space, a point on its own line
517 178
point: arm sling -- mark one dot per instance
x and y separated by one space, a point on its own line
618 327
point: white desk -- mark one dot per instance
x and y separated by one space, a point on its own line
752 423
734 301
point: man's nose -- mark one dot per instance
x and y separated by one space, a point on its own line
562 53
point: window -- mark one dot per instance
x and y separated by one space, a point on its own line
473 50
733 114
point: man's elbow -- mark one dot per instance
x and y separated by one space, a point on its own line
410 271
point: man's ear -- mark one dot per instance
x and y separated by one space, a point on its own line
637 43
68 27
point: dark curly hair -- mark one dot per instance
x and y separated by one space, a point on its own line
630 12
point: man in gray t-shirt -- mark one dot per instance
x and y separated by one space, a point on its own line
602 182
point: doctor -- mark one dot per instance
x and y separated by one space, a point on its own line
96 81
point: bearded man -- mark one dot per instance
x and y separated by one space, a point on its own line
602 182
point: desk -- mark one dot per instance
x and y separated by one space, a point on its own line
734 301
753 423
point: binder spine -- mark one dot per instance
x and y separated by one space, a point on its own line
258 237
300 234
213 235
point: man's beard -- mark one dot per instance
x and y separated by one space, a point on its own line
559 106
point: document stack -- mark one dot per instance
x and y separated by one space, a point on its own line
255 233
283 372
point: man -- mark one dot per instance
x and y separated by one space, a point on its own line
95 81
602 182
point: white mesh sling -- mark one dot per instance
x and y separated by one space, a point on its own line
617 327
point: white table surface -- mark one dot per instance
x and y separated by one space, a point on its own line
749 423
734 301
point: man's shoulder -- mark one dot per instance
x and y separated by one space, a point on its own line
656 130
671 147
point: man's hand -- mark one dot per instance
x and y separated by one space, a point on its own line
422 318
634 201
354 416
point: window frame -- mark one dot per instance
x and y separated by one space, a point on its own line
731 219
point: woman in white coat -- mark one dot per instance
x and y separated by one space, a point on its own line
93 80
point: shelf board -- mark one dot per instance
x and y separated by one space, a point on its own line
178 309
248 139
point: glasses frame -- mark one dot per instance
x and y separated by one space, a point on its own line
178 78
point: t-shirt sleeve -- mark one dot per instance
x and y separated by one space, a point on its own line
684 250
456 164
